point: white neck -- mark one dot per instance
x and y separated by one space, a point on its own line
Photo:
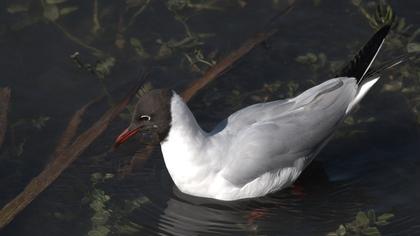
182 149
183 120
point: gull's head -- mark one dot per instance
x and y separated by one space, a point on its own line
151 115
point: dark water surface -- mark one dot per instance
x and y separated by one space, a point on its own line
375 167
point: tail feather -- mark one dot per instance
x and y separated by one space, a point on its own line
359 66
375 71
364 87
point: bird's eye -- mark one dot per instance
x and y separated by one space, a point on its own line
144 118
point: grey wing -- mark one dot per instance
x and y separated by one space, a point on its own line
250 115
273 143
270 110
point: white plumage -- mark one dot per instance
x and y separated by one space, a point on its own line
259 149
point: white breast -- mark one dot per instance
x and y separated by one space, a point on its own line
183 149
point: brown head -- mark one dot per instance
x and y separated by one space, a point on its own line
152 114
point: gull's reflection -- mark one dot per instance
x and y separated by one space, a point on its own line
189 215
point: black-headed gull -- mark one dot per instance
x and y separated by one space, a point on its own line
261 148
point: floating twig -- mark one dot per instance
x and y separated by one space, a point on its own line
225 64
4 109
95 18
71 130
136 14
73 38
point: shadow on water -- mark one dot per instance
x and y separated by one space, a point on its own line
372 163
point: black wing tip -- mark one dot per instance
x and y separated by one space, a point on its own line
383 31
360 64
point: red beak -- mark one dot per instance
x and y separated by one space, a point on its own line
125 135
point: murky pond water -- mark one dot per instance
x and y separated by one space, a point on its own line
371 165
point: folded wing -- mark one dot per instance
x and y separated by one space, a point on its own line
276 137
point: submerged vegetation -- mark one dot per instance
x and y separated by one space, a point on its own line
364 224
110 217
118 33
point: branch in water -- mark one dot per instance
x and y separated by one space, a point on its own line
4 109
95 18
78 41
225 64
